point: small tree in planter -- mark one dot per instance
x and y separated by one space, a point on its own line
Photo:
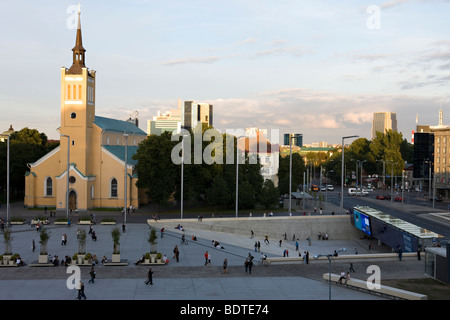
81 237
153 245
115 233
44 236
7 239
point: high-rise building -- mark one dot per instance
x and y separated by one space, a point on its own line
383 121
194 113
297 139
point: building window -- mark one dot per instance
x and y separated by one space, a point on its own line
113 188
68 92
49 187
74 92
79 91
92 192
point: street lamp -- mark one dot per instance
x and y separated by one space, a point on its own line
68 169
125 178
237 173
342 171
330 258
7 182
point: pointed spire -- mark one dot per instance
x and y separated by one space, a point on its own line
78 50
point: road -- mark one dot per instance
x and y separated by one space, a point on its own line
415 209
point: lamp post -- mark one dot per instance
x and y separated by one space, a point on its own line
237 173
125 178
182 175
68 169
342 172
330 258
326 188
7 182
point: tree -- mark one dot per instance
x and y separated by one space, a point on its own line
298 167
115 234
269 194
44 236
387 147
156 171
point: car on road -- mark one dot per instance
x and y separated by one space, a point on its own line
323 188
380 197
314 187
398 198
330 187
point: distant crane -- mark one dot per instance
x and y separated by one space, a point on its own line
134 118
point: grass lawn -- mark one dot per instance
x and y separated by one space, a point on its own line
435 290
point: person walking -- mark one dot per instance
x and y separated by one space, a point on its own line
259 246
256 246
176 253
351 267
81 291
225 265
206 258
149 276
33 245
92 274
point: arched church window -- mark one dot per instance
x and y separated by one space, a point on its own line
74 92
113 188
68 92
79 91
49 187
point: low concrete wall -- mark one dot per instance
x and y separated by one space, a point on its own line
337 227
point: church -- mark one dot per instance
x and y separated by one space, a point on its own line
87 169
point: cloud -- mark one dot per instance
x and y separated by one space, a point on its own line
210 59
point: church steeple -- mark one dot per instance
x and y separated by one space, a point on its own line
78 51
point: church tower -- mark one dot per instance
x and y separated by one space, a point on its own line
77 107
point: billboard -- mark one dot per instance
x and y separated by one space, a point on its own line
362 222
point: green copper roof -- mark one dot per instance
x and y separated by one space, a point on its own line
119 152
117 125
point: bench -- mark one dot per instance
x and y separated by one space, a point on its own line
383 291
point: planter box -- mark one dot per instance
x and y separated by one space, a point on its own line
43 258
6 258
17 222
146 261
80 258
108 222
153 258
115 257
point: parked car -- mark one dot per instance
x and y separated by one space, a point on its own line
380 197
398 198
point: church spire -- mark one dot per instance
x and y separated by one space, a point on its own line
78 50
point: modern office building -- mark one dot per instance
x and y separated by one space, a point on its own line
383 121
297 140
167 121
194 113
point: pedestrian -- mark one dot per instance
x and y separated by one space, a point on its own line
280 242
356 250
68 223
296 245
342 277
307 257
309 241
206 258
225 265
149 277
81 291
92 274
399 251
351 267
250 265
252 234
259 246
319 236
33 245
123 228
256 246
62 240
266 240
418 253
176 253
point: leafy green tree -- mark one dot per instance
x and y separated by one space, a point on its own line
156 171
298 167
269 194
387 147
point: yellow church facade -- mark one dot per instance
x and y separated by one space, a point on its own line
87 169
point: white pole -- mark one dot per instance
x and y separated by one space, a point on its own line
125 177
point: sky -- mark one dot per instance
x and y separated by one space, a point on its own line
319 68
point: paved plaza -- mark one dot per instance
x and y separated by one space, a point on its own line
188 279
